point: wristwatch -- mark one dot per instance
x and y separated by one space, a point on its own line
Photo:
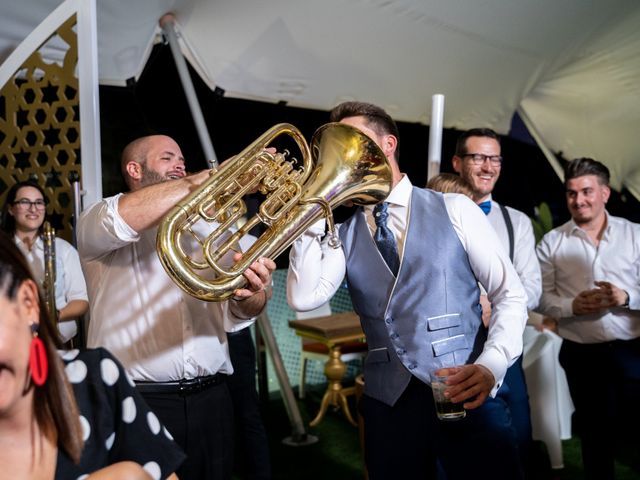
626 303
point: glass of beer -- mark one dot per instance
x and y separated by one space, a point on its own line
445 408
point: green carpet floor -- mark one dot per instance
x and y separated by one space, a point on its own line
336 455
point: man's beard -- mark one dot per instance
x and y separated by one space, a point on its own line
150 177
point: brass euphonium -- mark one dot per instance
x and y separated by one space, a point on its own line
49 282
342 164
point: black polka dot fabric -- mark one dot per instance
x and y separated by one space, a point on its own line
117 425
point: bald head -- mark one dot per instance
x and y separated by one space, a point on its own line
135 151
151 159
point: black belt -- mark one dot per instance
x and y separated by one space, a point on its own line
184 386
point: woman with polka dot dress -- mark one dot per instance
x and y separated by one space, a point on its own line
67 415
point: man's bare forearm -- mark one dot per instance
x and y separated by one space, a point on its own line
251 306
144 208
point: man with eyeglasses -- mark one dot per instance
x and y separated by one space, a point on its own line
478 160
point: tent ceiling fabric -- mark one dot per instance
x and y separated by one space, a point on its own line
573 66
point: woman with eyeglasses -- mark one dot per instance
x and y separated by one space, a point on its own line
67 414
22 218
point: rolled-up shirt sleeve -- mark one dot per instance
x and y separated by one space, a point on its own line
101 229
233 323
493 269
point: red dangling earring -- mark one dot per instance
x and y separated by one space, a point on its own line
38 363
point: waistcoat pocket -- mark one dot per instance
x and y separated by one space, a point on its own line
448 320
377 355
448 345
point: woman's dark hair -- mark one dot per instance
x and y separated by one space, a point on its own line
377 119
8 221
54 404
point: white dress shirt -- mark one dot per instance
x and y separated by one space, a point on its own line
316 271
70 284
158 332
571 263
524 249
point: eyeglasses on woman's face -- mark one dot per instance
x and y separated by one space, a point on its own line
26 204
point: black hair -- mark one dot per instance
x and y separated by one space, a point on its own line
461 143
580 167
379 120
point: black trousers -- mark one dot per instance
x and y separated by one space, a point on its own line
202 424
405 441
252 452
604 382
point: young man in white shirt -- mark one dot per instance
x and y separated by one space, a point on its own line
591 284
173 346
421 312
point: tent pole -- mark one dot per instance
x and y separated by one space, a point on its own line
89 91
435 135
168 23
299 435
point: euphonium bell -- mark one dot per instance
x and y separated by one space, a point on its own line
343 164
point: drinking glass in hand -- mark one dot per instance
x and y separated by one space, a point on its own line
445 408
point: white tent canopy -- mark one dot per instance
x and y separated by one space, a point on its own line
571 67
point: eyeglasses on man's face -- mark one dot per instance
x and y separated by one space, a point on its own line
480 158
25 204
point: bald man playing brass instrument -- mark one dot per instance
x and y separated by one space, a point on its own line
173 346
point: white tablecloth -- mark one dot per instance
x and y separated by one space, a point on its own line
549 398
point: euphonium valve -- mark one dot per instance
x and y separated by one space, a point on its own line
342 164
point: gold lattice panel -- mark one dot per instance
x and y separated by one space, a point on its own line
40 127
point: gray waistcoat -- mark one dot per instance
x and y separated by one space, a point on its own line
430 316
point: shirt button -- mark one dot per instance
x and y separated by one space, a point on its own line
401 351
388 320
413 366
393 336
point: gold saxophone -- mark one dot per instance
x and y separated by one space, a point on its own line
342 164
49 282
